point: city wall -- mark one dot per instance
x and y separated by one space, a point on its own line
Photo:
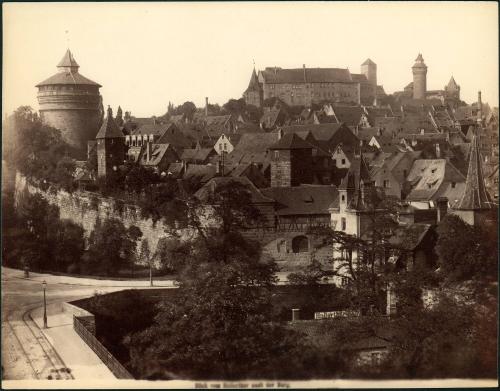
85 208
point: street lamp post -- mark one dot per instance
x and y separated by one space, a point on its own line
44 285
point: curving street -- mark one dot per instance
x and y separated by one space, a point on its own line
28 352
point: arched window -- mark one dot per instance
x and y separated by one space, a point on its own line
300 244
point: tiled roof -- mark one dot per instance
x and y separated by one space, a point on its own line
350 115
203 172
109 128
408 238
475 196
309 75
197 154
73 78
256 195
428 176
256 142
291 141
157 153
302 200
321 132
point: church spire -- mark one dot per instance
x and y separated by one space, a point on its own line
475 196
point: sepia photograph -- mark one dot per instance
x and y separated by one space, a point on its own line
258 195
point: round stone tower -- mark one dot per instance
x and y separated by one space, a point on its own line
71 103
419 78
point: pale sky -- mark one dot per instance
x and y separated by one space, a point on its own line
147 54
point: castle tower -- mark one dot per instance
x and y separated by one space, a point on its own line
369 69
419 70
475 200
452 89
254 94
110 147
291 161
71 103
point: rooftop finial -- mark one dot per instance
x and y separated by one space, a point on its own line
67 38
110 112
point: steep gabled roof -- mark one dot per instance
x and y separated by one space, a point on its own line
302 200
109 128
291 141
350 115
475 196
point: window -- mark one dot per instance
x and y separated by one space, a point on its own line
220 147
343 224
405 173
344 281
387 184
453 184
225 146
343 197
281 246
300 244
343 161
276 154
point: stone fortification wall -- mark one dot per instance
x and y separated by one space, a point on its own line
84 208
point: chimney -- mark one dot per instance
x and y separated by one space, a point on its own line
206 106
154 120
480 107
275 70
379 132
295 314
304 67
442 208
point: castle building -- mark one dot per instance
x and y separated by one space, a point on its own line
305 86
71 103
419 70
291 161
110 147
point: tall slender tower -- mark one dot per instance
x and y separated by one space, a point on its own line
71 103
110 147
419 78
369 69
479 108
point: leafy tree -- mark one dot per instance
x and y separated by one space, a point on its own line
112 247
69 245
119 116
465 251
225 291
235 106
38 151
187 109
253 113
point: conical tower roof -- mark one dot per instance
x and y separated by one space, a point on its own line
368 62
254 82
452 84
475 196
68 62
109 128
